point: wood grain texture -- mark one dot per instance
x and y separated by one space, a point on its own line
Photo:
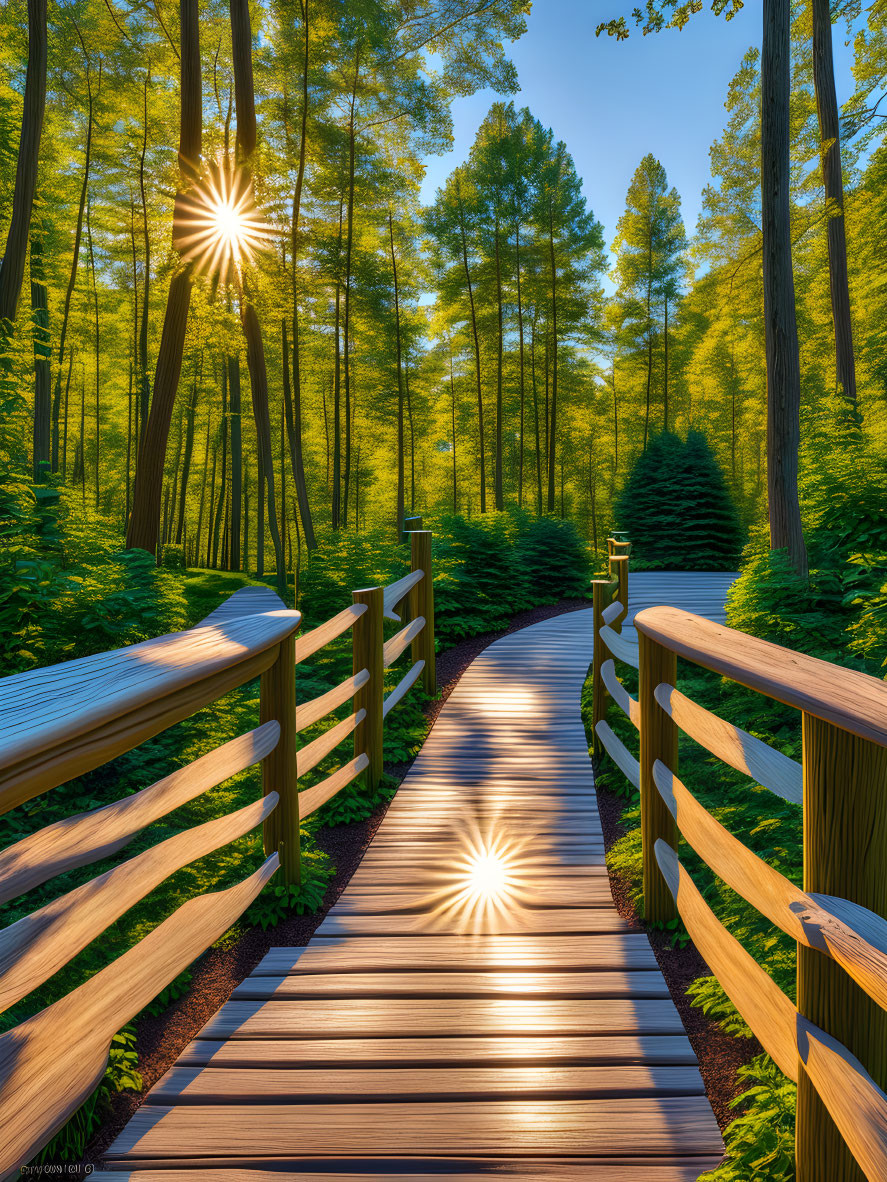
620 695
401 641
622 649
318 749
39 944
612 1049
88 837
400 691
612 613
307 713
766 765
619 753
184 1085
396 592
766 1009
485 1169
311 799
851 700
40 1088
281 986
529 921
311 642
520 1128
246 601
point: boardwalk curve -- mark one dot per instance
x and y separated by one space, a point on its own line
473 1006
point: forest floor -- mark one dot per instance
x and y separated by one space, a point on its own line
161 1039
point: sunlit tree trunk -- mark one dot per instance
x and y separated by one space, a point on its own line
498 482
144 379
780 322
399 375
480 396
12 267
42 355
144 523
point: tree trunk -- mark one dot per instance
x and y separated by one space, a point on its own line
480 398
12 267
295 432
665 383
833 182
144 380
235 415
244 101
520 336
536 418
453 410
336 500
399 373
72 278
781 329
98 352
144 523
190 417
349 244
552 434
498 485
42 354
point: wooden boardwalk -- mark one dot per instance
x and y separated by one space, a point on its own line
473 1006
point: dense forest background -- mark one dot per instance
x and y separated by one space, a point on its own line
481 353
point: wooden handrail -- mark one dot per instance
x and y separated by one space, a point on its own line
853 701
395 593
61 721
837 920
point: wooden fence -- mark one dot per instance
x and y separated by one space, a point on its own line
62 721
834 1042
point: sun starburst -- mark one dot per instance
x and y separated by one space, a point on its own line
220 227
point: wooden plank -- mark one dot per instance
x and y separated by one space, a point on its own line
763 1005
307 713
40 1086
422 1017
214 1085
401 641
664 1049
670 1169
629 706
281 986
525 890
847 698
310 799
318 749
319 637
766 765
518 1128
620 646
245 601
480 921
619 753
395 593
41 943
88 837
402 688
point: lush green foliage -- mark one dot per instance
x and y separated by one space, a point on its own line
677 509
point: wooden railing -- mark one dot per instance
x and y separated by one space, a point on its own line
834 1042
63 721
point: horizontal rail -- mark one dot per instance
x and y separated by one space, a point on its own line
394 593
39 944
318 749
853 936
777 772
311 799
848 699
398 643
614 612
39 1087
307 713
622 649
88 837
760 1001
619 753
629 706
402 687
63 720
319 637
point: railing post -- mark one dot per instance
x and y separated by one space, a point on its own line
619 572
600 601
845 854
409 525
367 638
422 604
280 768
659 740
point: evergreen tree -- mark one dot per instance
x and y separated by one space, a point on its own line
677 510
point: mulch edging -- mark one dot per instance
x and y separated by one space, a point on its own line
162 1039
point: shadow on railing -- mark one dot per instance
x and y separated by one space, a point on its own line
65 720
834 1044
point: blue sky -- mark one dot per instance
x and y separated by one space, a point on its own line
612 102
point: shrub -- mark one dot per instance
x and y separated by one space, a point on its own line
677 510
